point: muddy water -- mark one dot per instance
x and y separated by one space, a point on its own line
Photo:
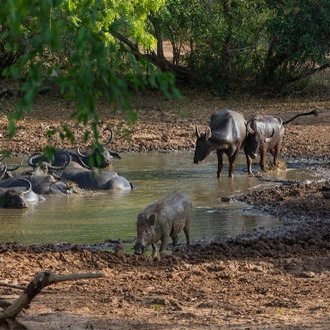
95 217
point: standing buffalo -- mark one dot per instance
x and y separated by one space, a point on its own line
265 133
226 134
161 220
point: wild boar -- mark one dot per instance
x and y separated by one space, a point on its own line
161 220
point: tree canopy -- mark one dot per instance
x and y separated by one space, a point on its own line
261 45
72 44
104 48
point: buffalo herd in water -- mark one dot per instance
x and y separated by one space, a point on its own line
70 169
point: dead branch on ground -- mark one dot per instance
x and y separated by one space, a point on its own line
40 281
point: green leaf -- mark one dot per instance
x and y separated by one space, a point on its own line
11 128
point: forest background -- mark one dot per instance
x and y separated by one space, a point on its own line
100 49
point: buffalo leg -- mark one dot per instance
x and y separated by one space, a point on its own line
262 159
220 162
232 159
276 154
248 162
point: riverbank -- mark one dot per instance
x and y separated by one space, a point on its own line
266 280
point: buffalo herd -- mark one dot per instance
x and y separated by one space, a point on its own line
229 132
70 169
66 172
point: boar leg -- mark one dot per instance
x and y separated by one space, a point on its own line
175 239
186 231
154 250
163 246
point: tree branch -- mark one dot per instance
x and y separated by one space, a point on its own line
309 73
40 281
158 59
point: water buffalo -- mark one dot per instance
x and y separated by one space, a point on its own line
161 220
95 158
41 177
42 165
5 171
93 179
265 133
17 193
226 134
48 184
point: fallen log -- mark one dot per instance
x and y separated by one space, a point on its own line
40 281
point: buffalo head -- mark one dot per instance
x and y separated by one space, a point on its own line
100 156
4 169
42 165
13 197
203 147
255 139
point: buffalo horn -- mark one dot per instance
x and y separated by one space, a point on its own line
80 154
197 132
111 136
53 167
249 127
81 158
50 166
29 185
3 170
15 167
32 157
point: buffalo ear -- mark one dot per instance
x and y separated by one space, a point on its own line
151 220
208 133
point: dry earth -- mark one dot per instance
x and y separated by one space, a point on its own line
273 280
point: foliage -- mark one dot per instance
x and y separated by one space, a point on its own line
72 43
247 45
299 40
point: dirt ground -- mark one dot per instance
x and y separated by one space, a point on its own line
267 280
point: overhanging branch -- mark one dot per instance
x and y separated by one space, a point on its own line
181 72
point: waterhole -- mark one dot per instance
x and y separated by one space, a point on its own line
98 216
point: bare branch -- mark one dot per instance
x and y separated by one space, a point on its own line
40 281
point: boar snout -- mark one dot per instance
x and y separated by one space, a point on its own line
138 248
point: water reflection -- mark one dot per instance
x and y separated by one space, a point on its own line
95 217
